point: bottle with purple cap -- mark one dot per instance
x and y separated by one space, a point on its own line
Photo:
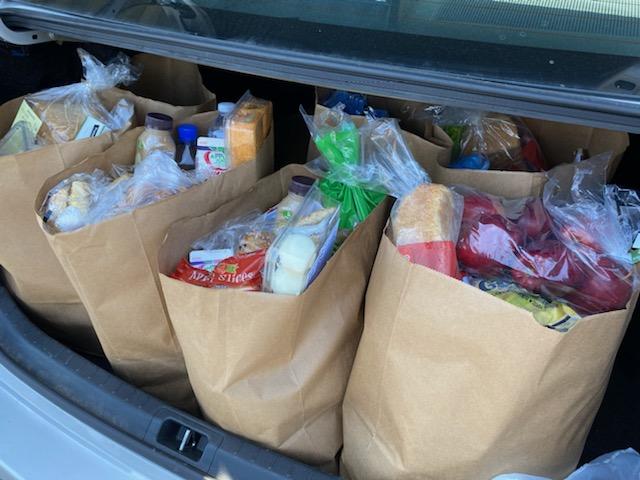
287 208
156 136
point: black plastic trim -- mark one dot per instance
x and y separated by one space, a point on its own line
126 414
567 105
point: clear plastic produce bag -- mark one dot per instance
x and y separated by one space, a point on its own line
73 111
618 465
483 140
303 247
232 256
571 246
339 141
85 199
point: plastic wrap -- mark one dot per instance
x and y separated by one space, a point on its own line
618 465
20 138
246 129
75 111
155 178
68 205
303 247
84 199
573 246
550 313
425 226
232 256
340 166
483 140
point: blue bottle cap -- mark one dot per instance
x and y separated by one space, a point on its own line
475 161
187 133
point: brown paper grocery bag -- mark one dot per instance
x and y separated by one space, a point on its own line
29 267
171 81
113 266
558 142
273 368
450 383
432 148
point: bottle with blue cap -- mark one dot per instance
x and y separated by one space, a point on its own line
186 151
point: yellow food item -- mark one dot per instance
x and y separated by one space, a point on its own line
248 127
80 195
61 121
427 214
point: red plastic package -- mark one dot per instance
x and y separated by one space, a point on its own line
242 272
569 249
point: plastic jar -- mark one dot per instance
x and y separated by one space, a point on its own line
287 208
156 137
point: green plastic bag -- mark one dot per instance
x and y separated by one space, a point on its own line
341 148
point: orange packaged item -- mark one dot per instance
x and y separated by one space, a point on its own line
247 128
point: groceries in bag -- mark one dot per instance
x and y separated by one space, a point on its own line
74 112
339 142
88 198
236 136
426 218
304 246
267 251
489 141
572 246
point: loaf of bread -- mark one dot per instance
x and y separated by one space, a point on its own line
497 137
61 121
427 214
248 127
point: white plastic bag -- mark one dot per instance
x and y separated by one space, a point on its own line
618 465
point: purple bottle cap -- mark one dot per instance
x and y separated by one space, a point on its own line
300 185
158 121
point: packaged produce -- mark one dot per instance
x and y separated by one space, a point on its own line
341 166
572 245
68 203
550 313
84 199
73 112
304 246
483 140
156 136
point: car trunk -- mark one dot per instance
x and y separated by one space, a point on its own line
87 383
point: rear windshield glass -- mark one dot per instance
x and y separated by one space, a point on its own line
585 44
